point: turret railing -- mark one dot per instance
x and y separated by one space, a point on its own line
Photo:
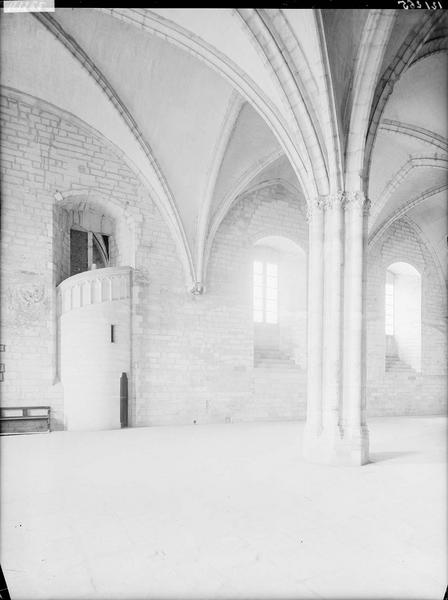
94 287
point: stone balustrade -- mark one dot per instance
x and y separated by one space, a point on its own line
94 287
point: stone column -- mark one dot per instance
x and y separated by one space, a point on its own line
315 218
354 364
332 324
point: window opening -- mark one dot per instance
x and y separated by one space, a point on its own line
265 292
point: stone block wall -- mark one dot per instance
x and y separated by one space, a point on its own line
401 390
192 357
199 349
45 151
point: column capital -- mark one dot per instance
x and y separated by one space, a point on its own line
357 199
313 208
326 202
331 201
346 200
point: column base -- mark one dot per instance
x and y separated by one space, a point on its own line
355 445
332 448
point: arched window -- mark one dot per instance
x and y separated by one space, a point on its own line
265 292
402 312
279 303
389 303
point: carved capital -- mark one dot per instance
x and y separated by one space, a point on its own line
332 200
356 200
197 289
314 208
339 199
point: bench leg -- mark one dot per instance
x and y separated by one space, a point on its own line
4 593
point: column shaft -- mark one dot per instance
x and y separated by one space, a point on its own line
355 433
332 347
335 430
314 324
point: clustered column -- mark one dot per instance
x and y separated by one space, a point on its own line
335 430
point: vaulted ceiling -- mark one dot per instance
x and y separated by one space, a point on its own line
204 103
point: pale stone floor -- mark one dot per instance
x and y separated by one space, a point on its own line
224 511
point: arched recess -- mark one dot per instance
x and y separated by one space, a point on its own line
93 315
265 212
279 284
243 188
403 315
177 235
433 251
94 312
89 210
399 382
113 119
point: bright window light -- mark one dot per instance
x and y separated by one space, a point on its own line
389 304
265 307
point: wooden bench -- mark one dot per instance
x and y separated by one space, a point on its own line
24 419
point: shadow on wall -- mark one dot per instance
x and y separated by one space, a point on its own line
90 233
